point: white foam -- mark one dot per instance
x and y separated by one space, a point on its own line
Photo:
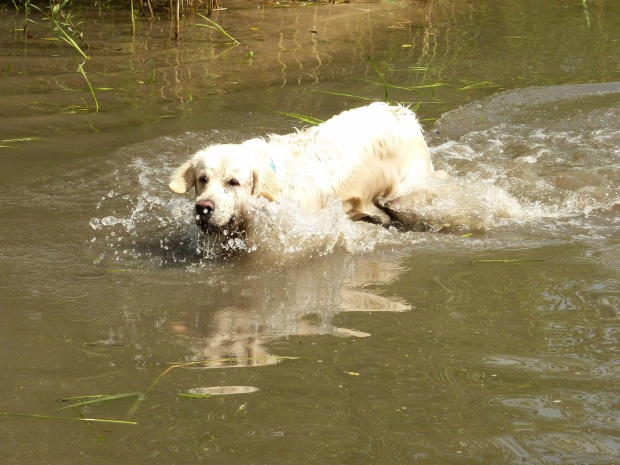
546 176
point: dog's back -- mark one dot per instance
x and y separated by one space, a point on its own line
364 156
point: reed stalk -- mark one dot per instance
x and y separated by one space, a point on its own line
133 19
177 29
213 25
385 83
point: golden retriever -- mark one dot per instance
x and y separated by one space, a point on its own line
371 158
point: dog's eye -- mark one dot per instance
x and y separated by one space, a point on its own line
203 179
233 182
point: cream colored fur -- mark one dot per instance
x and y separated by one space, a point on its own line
369 158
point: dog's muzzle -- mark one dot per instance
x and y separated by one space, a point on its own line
204 210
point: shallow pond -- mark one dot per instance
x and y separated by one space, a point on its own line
331 341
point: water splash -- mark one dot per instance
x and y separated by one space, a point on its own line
554 151
519 165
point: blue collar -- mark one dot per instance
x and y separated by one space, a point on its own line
272 165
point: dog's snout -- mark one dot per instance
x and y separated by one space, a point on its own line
205 207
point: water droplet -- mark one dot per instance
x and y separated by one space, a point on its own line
95 223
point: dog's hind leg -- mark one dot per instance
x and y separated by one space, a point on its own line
367 212
404 211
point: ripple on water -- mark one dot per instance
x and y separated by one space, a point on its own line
553 150
521 161
147 221
584 368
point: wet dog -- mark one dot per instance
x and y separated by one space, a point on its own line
372 158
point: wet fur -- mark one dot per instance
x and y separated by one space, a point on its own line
371 158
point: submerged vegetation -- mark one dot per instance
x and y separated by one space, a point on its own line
402 72
84 402
213 25
60 11
64 26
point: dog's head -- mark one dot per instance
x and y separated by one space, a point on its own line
226 178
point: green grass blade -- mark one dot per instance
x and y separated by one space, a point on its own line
67 399
416 89
103 398
61 33
51 417
477 84
92 91
303 118
213 25
383 81
68 39
21 139
339 94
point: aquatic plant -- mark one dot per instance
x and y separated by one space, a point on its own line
213 25
64 29
90 87
26 4
386 84
133 18
311 120
64 19
11 143
341 94
51 417
89 400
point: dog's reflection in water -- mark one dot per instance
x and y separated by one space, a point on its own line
239 337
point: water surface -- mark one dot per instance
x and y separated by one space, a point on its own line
332 341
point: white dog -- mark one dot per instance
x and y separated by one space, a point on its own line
371 158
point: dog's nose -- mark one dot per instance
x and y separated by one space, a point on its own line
204 207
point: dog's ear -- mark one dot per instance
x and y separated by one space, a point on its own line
184 178
265 184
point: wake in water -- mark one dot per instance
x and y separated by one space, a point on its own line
535 162
151 223
554 150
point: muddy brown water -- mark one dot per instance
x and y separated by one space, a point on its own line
331 342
